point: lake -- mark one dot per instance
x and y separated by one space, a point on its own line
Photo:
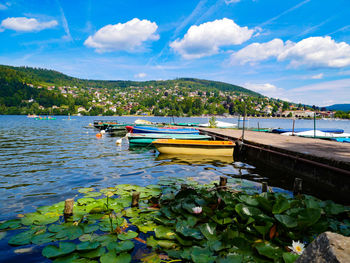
47 161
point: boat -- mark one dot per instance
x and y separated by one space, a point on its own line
32 116
317 134
103 124
194 159
328 130
148 138
166 130
195 147
347 140
140 121
44 118
220 124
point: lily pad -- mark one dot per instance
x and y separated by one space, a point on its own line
287 221
85 190
127 235
202 255
23 238
11 224
163 232
43 238
63 249
122 246
84 246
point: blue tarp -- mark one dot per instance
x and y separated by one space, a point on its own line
308 129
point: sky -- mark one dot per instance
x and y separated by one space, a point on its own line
294 50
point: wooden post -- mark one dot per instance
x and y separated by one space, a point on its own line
135 199
297 188
68 208
264 187
258 126
293 127
223 181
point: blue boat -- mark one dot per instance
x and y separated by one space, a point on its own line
342 140
329 130
165 130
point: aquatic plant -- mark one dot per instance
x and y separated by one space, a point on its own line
180 221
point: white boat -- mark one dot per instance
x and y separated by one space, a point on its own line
318 134
220 124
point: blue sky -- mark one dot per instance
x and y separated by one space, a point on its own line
296 50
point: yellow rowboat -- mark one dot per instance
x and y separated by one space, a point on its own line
195 147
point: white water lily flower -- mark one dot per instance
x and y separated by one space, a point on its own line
297 247
197 210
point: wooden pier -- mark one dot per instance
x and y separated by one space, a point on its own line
325 164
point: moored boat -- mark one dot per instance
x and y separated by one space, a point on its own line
164 130
195 147
220 124
328 130
148 138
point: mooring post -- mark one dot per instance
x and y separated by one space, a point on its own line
68 208
245 106
223 181
135 199
298 185
293 127
258 127
264 187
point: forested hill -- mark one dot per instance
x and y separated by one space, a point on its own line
45 77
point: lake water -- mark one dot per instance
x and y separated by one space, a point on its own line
45 162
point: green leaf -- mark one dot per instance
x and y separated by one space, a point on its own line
43 238
287 221
109 257
122 246
269 250
127 235
11 224
247 211
263 229
23 238
85 200
39 219
308 217
70 232
63 249
85 190
92 194
98 252
209 230
84 246
163 232
90 228
167 244
70 258
124 258
280 206
231 258
201 255
334 209
290 257
249 200
185 230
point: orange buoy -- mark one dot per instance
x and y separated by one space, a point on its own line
98 135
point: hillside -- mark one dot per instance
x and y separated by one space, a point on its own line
339 107
45 77
26 90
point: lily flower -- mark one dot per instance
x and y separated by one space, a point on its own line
197 210
297 247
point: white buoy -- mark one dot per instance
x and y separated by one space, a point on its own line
102 131
119 141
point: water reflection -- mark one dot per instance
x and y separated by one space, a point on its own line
169 159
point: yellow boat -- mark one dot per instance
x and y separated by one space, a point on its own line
195 147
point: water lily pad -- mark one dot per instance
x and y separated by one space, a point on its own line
95 253
92 194
308 217
23 238
110 257
185 230
209 231
280 206
290 257
127 235
90 228
287 221
84 246
70 258
269 250
11 224
163 232
85 200
202 255
70 232
122 246
167 244
63 249
43 238
39 219
85 190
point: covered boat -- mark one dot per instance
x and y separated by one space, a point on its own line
148 138
328 130
163 130
212 148
318 134
220 124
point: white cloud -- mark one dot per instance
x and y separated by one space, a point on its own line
312 52
258 52
315 52
23 24
140 75
318 76
231 1
206 39
129 36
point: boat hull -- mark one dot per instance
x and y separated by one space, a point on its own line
148 138
192 147
136 129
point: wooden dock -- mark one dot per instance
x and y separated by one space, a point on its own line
326 163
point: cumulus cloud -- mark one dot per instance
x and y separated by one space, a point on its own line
261 88
206 39
258 52
129 36
140 75
318 52
312 52
23 24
